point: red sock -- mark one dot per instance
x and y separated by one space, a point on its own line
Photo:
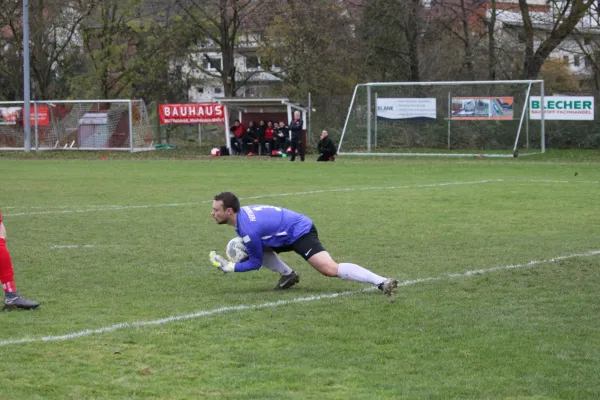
6 270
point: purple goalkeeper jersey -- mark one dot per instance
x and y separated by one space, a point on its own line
267 226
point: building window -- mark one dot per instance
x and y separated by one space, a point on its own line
200 89
213 64
566 59
576 60
218 90
252 62
588 62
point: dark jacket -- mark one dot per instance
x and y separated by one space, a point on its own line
251 133
296 128
327 146
285 130
260 131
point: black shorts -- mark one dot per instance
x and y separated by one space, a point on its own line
307 246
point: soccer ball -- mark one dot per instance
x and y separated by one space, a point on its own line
236 251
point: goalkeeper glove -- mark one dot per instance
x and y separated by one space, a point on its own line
221 263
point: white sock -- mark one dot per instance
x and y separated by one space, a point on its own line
274 263
353 272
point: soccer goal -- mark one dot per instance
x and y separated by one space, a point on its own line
456 118
77 125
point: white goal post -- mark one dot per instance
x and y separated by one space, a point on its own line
77 125
446 118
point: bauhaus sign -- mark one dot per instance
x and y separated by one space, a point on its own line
562 108
196 113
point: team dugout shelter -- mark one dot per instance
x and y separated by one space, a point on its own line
256 109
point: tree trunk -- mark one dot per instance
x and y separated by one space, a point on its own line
569 16
492 60
412 37
227 50
468 43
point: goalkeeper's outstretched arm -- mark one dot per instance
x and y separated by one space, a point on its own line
255 254
255 258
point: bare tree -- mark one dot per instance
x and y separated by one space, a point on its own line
567 14
491 32
313 45
54 26
127 44
216 26
473 25
391 34
588 42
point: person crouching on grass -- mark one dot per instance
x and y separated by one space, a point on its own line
267 230
326 148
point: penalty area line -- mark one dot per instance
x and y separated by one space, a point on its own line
204 313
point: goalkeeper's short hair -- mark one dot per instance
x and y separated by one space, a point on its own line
229 200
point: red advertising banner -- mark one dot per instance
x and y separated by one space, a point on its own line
196 113
43 116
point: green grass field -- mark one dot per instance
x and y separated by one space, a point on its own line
115 249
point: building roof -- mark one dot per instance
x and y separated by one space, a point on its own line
258 103
551 27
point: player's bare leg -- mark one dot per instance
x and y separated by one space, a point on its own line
326 265
12 299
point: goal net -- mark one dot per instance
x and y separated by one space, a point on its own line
77 125
490 118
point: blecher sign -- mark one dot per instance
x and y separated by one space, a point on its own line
562 108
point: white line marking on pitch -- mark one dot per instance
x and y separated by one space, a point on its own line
73 246
116 208
162 321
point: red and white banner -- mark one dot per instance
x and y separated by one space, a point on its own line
43 116
14 115
197 113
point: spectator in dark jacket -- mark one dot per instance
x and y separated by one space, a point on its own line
251 138
260 135
282 136
326 148
296 127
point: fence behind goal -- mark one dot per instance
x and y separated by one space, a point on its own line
443 118
77 125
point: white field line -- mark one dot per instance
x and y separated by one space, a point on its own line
162 321
73 246
553 181
94 208
116 207
51 207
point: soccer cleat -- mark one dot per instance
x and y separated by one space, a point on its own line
12 303
387 287
287 281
